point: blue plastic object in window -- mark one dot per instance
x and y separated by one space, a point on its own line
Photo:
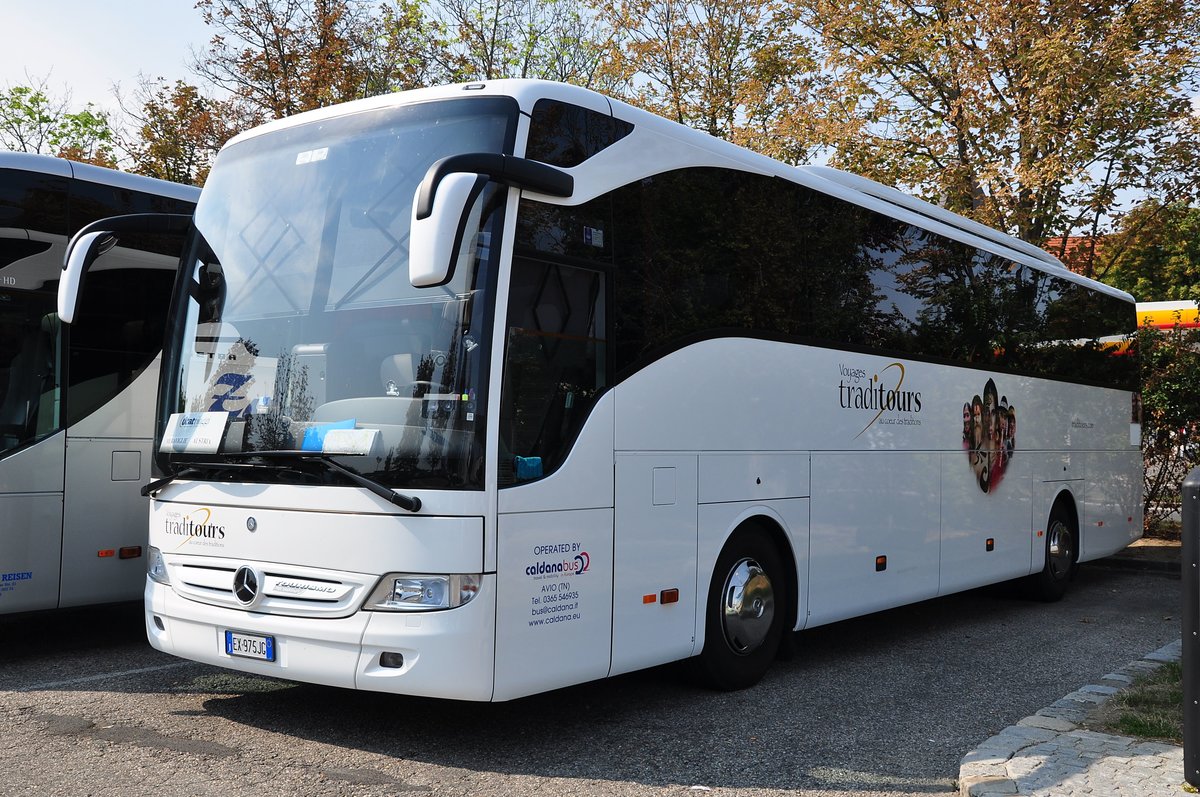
314 436
528 467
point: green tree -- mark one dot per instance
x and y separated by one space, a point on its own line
1170 361
31 120
1033 116
1155 254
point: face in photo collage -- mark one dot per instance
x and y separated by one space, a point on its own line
989 436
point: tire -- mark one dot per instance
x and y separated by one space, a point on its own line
1062 555
743 619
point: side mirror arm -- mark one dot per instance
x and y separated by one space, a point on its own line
437 226
506 169
97 238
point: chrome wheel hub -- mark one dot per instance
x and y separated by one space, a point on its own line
747 606
1060 550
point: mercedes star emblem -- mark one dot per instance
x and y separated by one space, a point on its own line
245 585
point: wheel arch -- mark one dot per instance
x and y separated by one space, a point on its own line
1066 499
774 527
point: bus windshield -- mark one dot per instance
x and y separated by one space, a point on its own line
302 331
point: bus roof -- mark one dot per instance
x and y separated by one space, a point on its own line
60 167
705 150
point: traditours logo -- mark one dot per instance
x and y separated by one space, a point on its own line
881 392
196 526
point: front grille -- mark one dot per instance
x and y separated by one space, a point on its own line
283 589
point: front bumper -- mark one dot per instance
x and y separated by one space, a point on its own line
446 654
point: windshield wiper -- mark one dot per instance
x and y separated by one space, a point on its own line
411 503
158 484
189 468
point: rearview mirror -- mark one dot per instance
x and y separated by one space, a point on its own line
82 252
97 238
434 240
447 192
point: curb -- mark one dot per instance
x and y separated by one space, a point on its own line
985 771
1167 567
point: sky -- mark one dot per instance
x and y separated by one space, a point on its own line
85 46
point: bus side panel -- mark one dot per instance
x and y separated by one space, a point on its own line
104 473
553 600
654 551
108 460
31 505
971 517
865 506
1107 517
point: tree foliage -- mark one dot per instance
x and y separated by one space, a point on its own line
1170 361
177 133
32 120
491 39
1034 116
734 69
276 58
1159 255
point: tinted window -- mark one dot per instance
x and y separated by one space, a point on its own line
34 201
703 252
92 201
118 328
555 364
583 232
561 134
33 229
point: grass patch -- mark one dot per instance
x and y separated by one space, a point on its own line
1164 530
1152 708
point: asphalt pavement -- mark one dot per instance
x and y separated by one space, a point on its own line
881 705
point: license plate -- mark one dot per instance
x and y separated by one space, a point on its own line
250 646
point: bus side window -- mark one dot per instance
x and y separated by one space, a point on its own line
555 364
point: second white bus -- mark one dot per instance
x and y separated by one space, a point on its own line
77 403
480 391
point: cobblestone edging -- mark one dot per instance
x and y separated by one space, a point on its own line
1049 754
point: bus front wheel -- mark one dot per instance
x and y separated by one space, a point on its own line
744 616
1062 553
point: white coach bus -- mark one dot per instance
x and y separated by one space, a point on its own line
77 403
480 391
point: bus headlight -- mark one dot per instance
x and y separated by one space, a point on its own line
400 592
156 568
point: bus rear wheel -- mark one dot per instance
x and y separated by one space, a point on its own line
745 610
1062 553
